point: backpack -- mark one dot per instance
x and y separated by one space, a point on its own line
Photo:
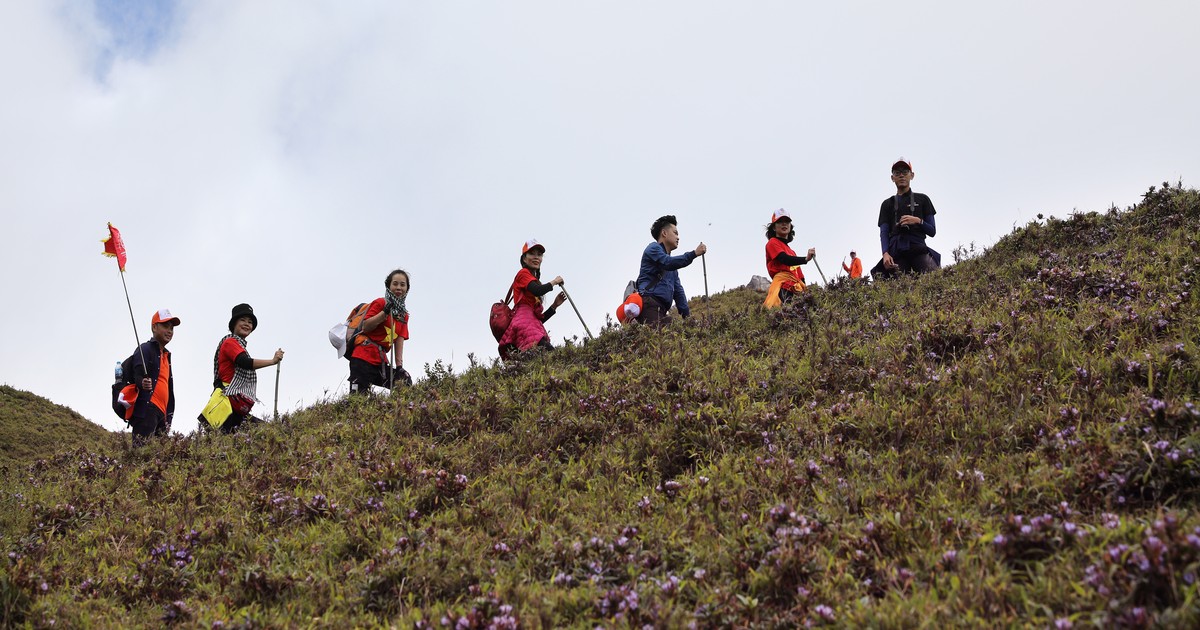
634 297
344 336
501 316
125 391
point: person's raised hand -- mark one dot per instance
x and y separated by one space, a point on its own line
701 249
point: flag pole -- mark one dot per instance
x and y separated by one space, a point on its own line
131 318
113 246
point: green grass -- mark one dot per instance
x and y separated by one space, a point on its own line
32 427
1008 442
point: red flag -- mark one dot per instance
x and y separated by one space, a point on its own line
114 246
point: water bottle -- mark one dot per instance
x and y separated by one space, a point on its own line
117 372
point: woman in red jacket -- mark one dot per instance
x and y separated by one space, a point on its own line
385 327
783 265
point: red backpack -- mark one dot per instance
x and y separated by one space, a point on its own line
501 316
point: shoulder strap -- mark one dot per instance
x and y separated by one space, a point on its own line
508 296
217 384
912 208
651 286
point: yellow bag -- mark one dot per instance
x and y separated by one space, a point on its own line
218 409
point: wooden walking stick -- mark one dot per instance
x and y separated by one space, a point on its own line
704 264
275 414
392 384
572 301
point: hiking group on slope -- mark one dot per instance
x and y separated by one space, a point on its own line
144 392
905 220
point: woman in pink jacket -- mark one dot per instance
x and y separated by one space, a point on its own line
527 328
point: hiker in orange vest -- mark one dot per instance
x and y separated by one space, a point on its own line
154 408
527 328
783 265
855 268
234 368
385 325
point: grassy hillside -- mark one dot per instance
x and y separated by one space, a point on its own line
32 427
1010 441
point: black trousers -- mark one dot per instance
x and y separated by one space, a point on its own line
654 312
154 422
907 262
236 420
509 351
364 374
919 263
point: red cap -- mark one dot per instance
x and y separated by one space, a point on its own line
630 308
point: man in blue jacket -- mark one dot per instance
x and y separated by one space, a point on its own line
151 366
658 278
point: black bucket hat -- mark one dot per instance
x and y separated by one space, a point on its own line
243 310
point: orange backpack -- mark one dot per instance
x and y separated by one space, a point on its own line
348 334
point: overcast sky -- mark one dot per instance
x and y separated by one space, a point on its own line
289 154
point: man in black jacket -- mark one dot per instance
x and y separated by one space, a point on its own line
905 221
155 405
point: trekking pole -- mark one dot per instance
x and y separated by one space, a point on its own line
392 383
572 301
823 280
704 265
275 415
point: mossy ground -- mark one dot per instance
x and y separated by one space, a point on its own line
1010 441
